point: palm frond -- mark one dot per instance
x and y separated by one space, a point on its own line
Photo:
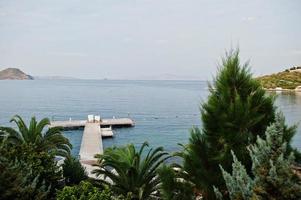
51 141
23 130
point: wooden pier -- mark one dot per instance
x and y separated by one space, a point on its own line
91 142
76 124
92 137
91 145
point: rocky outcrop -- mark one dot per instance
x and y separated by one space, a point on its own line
14 74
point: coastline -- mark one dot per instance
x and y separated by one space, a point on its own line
282 90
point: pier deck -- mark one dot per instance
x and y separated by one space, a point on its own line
91 142
75 124
91 145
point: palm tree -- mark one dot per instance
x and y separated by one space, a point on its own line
127 172
73 171
174 184
50 141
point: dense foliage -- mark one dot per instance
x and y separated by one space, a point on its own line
28 163
126 170
272 177
26 174
19 183
86 191
236 112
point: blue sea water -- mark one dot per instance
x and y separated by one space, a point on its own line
164 111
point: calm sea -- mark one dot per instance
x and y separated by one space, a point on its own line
164 111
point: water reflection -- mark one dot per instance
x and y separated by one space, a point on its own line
290 104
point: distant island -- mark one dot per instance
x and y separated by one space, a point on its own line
14 74
17 74
289 79
55 78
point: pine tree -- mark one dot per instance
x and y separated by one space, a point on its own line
237 110
273 176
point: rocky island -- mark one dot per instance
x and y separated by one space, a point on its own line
14 74
289 79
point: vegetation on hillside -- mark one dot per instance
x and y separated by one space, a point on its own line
286 80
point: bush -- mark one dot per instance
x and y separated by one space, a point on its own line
19 183
86 191
38 169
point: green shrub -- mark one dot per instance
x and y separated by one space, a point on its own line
26 174
86 191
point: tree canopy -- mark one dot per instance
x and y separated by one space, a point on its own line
237 110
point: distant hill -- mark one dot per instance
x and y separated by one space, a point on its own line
55 78
288 79
14 74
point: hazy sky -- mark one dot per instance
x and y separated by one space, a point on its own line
147 39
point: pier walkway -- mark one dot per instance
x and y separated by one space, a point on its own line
91 142
91 145
75 124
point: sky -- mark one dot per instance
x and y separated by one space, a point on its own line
147 39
